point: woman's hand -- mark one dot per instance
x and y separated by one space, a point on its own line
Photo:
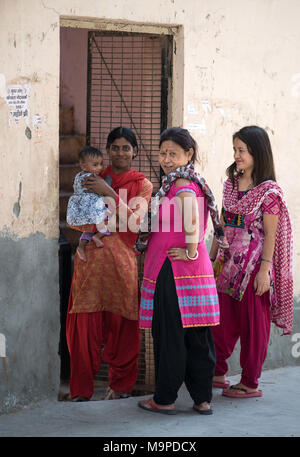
261 283
177 254
98 186
262 279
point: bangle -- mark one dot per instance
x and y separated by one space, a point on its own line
266 260
192 258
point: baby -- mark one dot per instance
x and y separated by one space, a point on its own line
87 207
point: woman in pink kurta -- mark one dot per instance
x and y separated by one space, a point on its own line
194 281
179 299
253 276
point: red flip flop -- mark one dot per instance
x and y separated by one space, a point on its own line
155 409
221 385
230 393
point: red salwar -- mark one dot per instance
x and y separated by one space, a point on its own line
249 320
86 332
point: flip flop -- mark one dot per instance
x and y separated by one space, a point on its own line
80 399
230 393
221 385
113 395
154 409
205 412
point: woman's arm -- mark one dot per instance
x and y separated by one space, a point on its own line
262 279
190 219
132 213
98 186
215 246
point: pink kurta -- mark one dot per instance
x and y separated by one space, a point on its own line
194 280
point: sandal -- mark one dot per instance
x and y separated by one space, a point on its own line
155 409
80 399
246 394
221 385
113 395
205 412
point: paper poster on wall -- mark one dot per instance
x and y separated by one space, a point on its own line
17 97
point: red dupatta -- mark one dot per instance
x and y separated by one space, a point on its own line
131 181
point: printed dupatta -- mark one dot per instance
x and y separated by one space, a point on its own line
185 172
282 309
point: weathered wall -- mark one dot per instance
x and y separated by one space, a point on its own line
29 293
235 63
29 319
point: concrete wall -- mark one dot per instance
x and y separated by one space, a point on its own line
235 63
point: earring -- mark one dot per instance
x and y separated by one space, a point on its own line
238 171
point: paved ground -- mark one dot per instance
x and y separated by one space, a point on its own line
277 413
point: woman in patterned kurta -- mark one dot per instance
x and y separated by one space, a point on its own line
104 297
179 299
253 276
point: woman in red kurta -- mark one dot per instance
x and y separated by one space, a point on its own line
104 298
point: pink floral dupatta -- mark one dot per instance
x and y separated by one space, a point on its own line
282 308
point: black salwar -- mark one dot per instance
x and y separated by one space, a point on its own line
180 354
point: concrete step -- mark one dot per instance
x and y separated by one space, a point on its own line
69 146
67 174
66 120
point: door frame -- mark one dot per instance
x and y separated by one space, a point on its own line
176 82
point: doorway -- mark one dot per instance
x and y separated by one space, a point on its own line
110 79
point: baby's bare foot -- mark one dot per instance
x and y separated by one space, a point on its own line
98 242
81 253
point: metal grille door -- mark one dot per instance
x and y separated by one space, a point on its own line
127 76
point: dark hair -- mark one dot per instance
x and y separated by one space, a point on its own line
182 137
122 132
89 151
259 146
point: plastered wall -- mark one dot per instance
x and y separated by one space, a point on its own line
235 63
